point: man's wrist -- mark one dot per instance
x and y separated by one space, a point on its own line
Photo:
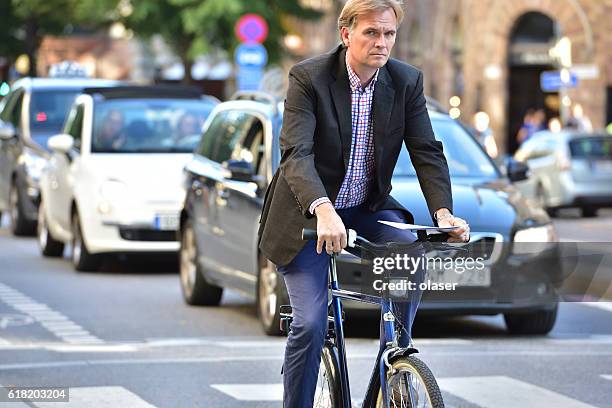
442 214
318 202
325 207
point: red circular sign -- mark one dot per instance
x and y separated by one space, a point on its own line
251 28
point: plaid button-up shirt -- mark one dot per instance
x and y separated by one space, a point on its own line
359 174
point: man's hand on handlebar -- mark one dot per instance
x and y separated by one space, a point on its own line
446 219
330 229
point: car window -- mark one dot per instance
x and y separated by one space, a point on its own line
15 111
209 136
48 111
463 154
225 133
8 104
148 125
74 125
591 148
251 147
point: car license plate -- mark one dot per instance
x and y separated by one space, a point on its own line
478 277
165 222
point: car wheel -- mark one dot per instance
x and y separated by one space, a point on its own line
19 224
271 294
589 212
82 259
535 323
196 290
48 245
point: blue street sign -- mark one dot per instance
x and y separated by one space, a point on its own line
248 78
551 81
251 54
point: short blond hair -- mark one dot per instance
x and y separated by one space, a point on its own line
355 8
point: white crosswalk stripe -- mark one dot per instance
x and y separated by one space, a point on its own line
99 397
506 392
252 392
485 392
607 376
607 306
55 322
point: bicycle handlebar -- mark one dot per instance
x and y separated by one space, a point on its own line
355 241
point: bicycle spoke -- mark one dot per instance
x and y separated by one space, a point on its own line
406 390
323 392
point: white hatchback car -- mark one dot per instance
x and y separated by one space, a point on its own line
114 180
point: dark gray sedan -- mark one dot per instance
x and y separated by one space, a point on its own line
227 179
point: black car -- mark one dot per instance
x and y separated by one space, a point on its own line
227 179
33 111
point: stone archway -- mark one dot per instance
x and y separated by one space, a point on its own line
528 57
500 21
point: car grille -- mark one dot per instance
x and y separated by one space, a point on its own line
143 234
487 246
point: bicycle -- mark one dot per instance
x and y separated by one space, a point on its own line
403 377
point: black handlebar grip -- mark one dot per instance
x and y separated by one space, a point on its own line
308 234
442 237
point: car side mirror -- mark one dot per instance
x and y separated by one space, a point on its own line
239 170
7 130
516 170
61 143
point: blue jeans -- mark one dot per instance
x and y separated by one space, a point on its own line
306 278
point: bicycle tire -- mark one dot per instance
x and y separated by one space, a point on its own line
329 363
424 375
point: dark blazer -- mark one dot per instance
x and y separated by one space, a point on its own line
316 144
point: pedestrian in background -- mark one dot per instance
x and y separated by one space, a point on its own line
579 121
533 121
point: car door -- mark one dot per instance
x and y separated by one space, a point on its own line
60 173
9 149
240 202
205 172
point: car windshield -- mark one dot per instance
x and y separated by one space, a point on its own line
464 156
591 148
148 125
48 110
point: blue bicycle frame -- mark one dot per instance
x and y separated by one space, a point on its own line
389 332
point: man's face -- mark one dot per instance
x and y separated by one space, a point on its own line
113 124
371 39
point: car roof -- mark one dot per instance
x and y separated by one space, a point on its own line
569 134
259 106
65 83
154 91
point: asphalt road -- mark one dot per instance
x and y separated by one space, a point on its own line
123 337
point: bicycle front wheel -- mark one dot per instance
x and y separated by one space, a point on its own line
327 393
411 385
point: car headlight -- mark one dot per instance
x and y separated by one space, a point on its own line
112 192
534 240
34 164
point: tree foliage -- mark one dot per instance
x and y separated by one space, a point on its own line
26 22
197 27
190 27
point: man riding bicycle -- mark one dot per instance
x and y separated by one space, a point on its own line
346 115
